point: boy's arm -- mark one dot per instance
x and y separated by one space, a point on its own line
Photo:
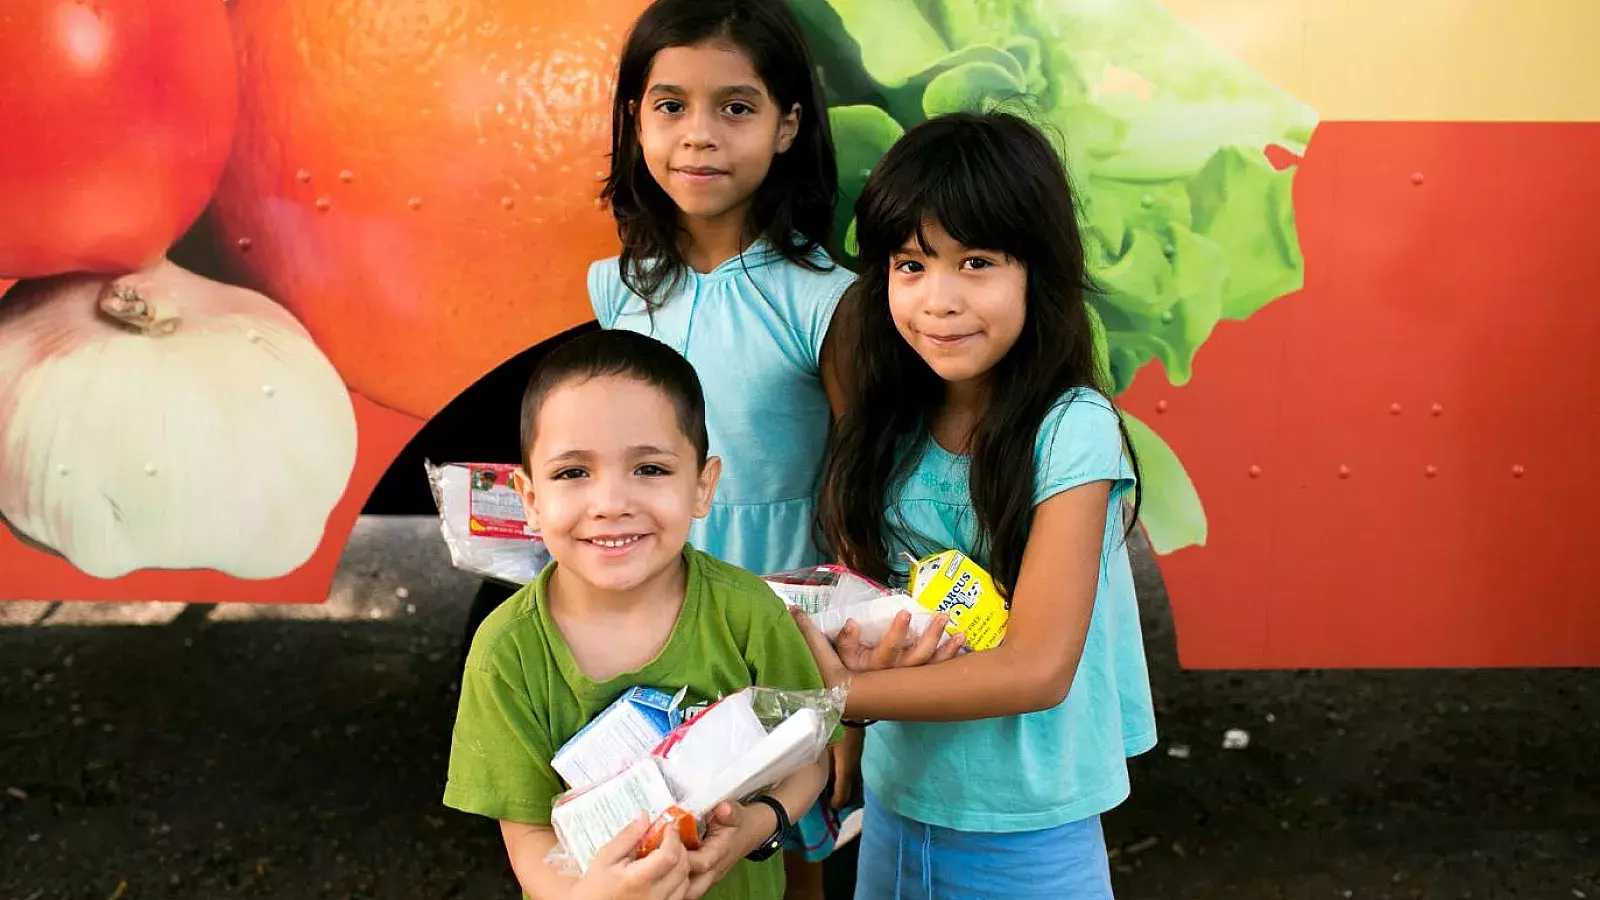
737 829
527 846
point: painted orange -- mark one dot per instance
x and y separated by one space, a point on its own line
1420 413
417 179
32 575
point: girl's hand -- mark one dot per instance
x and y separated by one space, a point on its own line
616 875
846 768
850 654
728 839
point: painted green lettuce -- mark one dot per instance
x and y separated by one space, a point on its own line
1186 221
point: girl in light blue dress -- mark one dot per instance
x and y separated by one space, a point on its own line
976 418
723 185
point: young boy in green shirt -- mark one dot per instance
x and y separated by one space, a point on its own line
615 467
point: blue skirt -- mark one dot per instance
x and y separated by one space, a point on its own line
902 859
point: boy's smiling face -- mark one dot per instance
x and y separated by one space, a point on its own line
613 482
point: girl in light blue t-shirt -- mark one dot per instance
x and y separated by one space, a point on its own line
975 418
723 184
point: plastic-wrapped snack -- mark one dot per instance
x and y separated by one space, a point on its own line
746 743
728 751
483 522
816 588
833 595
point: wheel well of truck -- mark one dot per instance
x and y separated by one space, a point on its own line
480 425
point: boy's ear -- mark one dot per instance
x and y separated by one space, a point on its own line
788 128
524 488
707 488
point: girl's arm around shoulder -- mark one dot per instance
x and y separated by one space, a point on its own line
1034 667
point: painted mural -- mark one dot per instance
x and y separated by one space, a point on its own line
256 245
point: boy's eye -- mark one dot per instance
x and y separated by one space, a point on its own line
651 470
568 473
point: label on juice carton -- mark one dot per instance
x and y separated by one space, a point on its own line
620 736
952 584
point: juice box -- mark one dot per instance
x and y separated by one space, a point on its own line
952 584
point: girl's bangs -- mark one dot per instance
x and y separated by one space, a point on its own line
969 196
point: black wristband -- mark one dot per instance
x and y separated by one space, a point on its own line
856 723
773 844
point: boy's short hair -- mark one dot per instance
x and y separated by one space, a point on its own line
620 353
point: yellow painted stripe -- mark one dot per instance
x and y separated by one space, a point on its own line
1418 60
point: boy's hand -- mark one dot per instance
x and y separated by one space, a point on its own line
616 875
730 836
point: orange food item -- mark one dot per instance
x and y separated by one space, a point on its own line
673 817
417 179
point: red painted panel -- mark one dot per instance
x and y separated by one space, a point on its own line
1446 264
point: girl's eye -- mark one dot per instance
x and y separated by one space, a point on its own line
670 107
651 470
568 474
908 267
740 108
977 262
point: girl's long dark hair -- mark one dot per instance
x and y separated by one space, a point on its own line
993 182
801 189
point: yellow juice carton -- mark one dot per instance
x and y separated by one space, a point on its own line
952 584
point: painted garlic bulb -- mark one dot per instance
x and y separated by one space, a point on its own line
165 421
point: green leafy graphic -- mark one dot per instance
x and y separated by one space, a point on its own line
1186 221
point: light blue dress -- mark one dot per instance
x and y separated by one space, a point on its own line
957 809
753 329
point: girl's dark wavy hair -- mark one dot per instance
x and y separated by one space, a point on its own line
993 182
793 208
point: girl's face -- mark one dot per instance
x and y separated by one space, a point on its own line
959 307
613 482
709 129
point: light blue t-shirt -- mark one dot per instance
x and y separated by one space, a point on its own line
753 329
1060 765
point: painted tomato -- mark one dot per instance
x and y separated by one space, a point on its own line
118 120
417 179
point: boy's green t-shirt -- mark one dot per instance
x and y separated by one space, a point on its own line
523 696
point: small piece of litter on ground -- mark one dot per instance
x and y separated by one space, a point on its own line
1235 739
1178 751
402 593
1142 846
17 793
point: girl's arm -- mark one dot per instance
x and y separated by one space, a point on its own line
833 360
1033 667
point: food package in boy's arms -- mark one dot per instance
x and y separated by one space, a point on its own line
745 743
952 584
833 595
622 734
587 819
484 524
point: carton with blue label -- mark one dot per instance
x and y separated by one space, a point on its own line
620 736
